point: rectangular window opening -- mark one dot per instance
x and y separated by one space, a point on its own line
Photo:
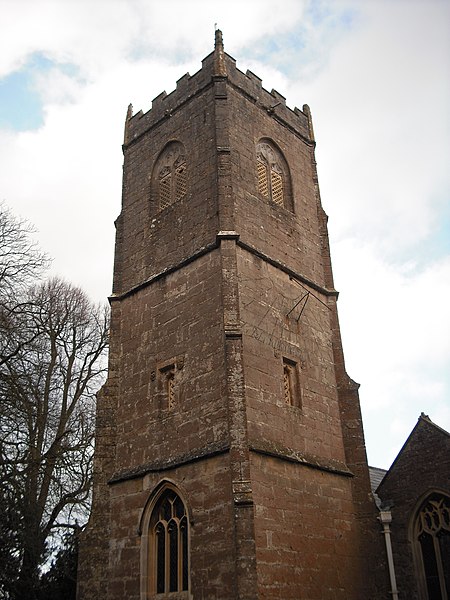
291 383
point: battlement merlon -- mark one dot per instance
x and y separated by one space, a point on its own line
219 66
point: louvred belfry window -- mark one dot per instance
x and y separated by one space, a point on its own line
272 174
263 180
165 188
277 185
171 175
180 178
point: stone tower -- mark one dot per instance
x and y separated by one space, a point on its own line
230 459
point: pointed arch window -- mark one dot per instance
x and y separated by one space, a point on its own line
170 176
273 175
432 535
166 547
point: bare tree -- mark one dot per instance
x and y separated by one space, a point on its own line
47 403
21 262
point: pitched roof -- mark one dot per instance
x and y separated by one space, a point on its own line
376 475
423 421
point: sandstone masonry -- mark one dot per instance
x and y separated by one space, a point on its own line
227 391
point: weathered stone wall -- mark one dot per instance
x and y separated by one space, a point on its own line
175 321
305 532
205 485
274 327
152 240
293 238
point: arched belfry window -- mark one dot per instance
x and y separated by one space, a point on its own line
432 539
165 546
170 175
273 174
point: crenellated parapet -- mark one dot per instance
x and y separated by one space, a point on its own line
218 66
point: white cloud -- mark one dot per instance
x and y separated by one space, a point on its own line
382 122
96 34
395 327
89 34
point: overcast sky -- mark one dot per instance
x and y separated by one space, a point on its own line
376 75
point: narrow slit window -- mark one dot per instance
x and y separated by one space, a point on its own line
287 386
170 384
171 390
291 384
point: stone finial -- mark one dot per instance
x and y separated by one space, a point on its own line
307 112
219 56
127 118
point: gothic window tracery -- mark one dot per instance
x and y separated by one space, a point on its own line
166 559
272 174
170 179
432 533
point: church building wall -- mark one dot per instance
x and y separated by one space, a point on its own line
419 482
205 485
305 532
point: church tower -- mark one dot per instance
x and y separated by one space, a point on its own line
230 459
